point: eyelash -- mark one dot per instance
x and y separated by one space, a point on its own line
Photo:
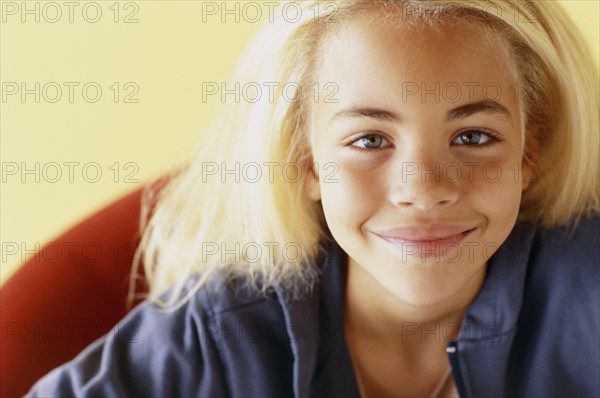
354 139
494 138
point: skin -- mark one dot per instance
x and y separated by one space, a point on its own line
392 296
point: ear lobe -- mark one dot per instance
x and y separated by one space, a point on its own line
312 188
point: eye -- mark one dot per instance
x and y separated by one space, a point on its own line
370 141
476 137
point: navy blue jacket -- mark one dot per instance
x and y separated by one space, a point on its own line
533 330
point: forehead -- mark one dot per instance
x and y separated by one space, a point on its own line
375 58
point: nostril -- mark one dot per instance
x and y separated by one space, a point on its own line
424 203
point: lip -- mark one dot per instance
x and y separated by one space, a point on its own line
425 240
428 233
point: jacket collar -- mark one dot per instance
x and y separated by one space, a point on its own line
303 315
495 310
490 323
300 321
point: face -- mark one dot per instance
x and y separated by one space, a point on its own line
420 157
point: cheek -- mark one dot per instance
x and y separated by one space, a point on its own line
349 197
495 191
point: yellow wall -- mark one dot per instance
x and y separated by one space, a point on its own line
165 56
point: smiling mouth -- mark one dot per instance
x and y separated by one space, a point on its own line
425 241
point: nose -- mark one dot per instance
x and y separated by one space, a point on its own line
424 183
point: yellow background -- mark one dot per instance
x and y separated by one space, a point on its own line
167 54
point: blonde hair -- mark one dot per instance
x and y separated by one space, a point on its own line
193 212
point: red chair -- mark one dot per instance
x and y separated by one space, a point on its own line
66 296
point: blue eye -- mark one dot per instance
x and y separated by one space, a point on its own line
475 138
370 141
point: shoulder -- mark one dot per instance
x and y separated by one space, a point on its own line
564 270
568 256
579 239
198 349
559 322
562 284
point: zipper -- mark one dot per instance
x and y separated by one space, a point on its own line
452 351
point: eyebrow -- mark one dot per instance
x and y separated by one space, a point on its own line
373 113
486 106
461 112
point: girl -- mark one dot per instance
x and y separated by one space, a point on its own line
410 211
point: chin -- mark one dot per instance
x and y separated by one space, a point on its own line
423 292
422 297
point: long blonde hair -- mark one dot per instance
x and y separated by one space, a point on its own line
196 210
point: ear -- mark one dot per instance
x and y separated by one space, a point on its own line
312 188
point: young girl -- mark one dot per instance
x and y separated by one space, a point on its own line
410 210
